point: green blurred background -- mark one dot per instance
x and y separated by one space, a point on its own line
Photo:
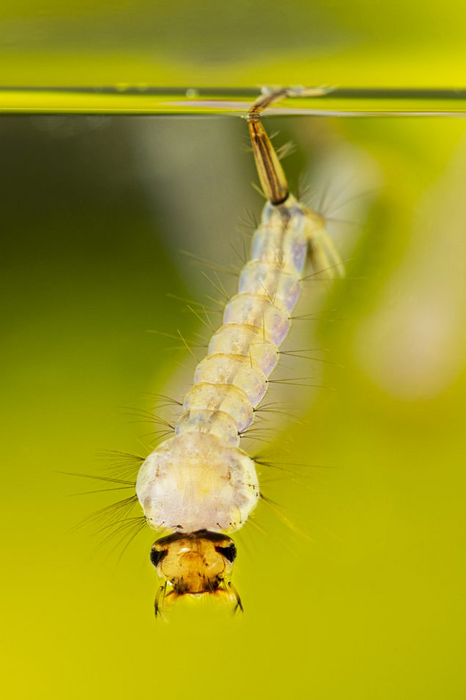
243 43
96 212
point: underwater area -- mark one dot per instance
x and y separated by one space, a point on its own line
364 588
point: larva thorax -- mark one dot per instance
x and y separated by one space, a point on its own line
199 483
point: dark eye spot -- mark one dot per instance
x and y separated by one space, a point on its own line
156 556
228 552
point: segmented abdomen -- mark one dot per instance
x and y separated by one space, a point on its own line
232 379
200 479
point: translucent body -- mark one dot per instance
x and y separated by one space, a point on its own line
200 479
199 484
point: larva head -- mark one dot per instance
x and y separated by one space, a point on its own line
193 564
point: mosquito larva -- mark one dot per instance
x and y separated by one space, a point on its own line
199 485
